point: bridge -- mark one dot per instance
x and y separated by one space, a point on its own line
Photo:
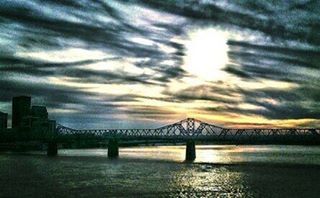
188 130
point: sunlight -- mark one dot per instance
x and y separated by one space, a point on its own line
206 54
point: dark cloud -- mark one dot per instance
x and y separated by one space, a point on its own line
276 104
283 64
297 104
80 27
234 69
170 73
52 93
280 19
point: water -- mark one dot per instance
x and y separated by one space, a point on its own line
219 171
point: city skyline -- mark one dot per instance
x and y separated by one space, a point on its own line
143 64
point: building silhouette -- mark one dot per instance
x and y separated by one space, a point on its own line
39 112
3 120
30 121
37 121
20 110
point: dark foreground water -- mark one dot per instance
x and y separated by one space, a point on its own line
219 171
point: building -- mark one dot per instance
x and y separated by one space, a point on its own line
3 120
38 123
39 112
20 109
38 117
52 126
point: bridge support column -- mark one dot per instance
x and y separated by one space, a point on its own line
113 148
190 151
52 149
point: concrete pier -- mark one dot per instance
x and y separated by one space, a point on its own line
113 148
190 151
52 149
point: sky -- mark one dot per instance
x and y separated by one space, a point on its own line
145 63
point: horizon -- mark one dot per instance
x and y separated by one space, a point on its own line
197 123
144 64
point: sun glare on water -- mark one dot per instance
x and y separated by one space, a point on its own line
206 54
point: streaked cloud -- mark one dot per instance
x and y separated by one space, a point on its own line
141 63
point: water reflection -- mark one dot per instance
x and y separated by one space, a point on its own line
217 154
209 181
160 172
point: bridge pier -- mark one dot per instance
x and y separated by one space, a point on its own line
113 148
190 151
52 149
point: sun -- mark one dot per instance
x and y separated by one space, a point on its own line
206 53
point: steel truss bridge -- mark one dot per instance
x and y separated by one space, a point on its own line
189 129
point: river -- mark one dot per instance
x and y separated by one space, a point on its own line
160 171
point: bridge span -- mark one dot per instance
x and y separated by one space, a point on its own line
188 130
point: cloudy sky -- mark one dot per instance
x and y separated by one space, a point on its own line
143 63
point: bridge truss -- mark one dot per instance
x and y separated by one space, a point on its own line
191 129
